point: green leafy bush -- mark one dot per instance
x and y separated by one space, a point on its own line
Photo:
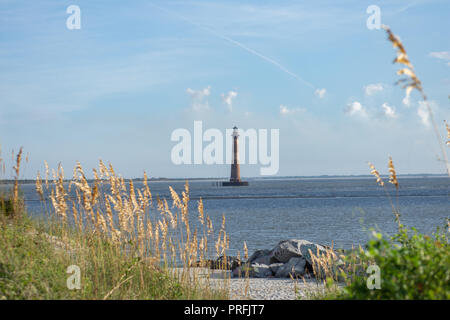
412 266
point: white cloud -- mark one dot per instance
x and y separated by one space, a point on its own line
355 108
388 111
198 98
320 92
371 89
228 99
443 55
423 113
285 110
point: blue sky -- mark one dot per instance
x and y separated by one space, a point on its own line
137 70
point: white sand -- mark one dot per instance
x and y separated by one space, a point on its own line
256 288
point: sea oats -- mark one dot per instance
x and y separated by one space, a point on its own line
200 211
223 221
133 196
376 174
16 182
176 202
448 133
142 200
156 239
125 217
39 186
245 251
46 173
163 227
173 221
76 217
94 171
147 189
392 179
412 82
111 170
109 213
101 222
149 229
392 173
202 244
217 247
58 194
123 185
209 225
103 169
95 194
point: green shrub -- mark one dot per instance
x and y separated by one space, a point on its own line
412 266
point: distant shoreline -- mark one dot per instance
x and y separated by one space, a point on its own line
420 175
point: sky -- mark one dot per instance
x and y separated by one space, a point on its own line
135 71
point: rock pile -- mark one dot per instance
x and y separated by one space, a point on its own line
290 258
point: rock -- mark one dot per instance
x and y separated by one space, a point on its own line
275 266
256 270
228 263
260 256
295 267
289 258
261 271
287 249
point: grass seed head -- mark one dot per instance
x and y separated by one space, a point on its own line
448 133
411 81
392 173
376 174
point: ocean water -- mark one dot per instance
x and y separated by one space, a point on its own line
338 211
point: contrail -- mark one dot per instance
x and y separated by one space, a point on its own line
250 50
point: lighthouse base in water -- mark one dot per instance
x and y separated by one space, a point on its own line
235 177
234 183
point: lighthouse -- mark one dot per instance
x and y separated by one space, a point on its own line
235 177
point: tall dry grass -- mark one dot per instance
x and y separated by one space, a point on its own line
10 202
158 231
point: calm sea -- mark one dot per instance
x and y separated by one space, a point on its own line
322 210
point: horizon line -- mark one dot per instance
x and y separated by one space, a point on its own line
252 177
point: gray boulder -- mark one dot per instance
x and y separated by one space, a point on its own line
261 271
256 270
275 266
260 256
295 267
289 258
287 249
